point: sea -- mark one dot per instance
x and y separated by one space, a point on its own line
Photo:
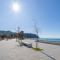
51 39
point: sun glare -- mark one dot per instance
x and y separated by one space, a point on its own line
16 7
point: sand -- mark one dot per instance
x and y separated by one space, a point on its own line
11 50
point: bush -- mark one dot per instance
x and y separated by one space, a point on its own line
37 49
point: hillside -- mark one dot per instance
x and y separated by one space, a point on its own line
26 35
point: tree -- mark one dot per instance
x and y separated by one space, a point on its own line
21 35
36 30
17 34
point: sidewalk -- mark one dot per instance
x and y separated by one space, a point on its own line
10 50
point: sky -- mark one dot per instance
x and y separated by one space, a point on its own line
44 13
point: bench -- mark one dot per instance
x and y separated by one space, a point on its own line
29 45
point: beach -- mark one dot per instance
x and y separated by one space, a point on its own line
11 50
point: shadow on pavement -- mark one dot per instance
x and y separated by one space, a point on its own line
48 55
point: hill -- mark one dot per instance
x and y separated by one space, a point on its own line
9 33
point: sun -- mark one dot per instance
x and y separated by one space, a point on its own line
16 7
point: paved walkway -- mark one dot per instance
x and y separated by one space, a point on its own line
10 50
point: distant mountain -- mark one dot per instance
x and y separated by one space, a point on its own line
30 35
6 32
26 35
